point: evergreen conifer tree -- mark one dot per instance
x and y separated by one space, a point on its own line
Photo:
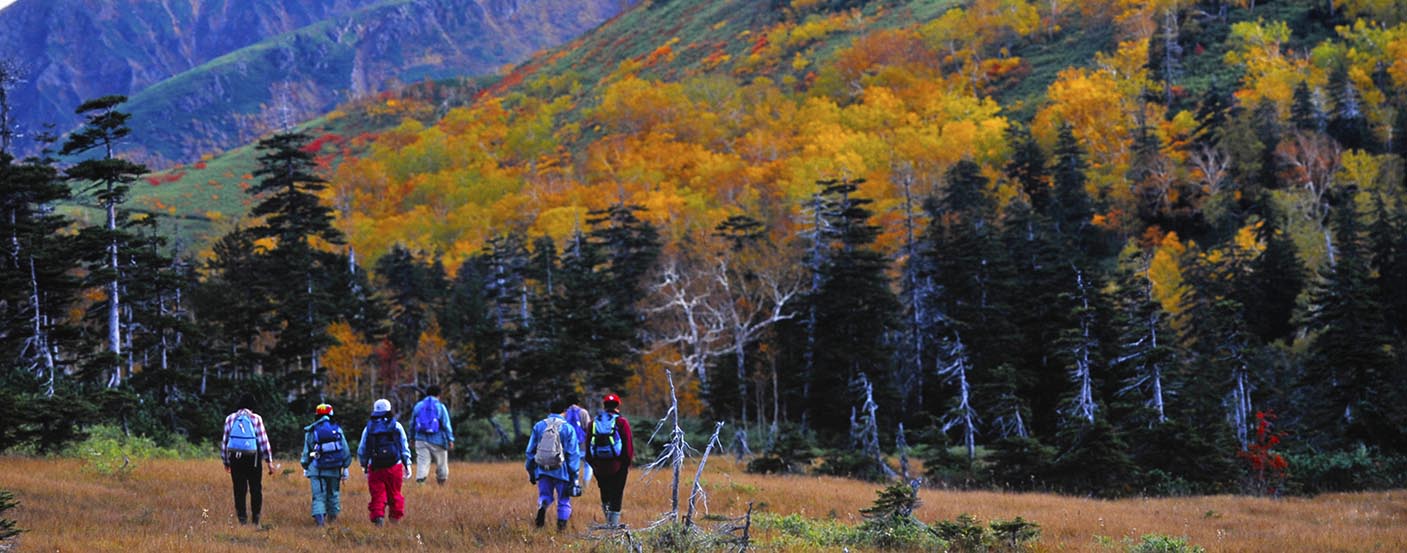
854 306
106 177
1346 122
294 236
1305 112
1351 375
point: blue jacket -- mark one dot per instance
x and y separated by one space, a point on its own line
314 468
571 450
443 438
405 446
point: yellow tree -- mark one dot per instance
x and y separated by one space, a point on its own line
347 362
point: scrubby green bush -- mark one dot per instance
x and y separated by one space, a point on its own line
965 534
1155 543
1341 471
108 451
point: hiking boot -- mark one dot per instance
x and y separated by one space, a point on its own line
378 521
243 520
255 520
318 519
613 519
541 518
419 480
330 519
561 524
440 482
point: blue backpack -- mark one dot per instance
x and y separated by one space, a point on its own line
427 419
328 450
605 437
383 443
242 437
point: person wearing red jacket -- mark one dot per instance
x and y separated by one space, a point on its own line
610 453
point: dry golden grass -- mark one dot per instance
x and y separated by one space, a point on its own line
186 506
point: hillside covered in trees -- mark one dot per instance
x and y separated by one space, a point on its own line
1106 248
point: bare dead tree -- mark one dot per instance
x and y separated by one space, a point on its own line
686 319
675 450
962 414
697 492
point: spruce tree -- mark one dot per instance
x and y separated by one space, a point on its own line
1027 167
1346 122
413 291
107 177
1305 112
297 230
630 248
234 305
1351 375
37 268
1071 208
1146 357
1222 381
1277 278
854 305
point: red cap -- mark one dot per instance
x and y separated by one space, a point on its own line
611 398
324 409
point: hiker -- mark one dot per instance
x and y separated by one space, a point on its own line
242 448
325 460
385 459
434 438
580 418
610 452
554 461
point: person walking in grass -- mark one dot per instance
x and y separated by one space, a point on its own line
385 459
325 460
610 452
434 438
580 419
554 461
243 447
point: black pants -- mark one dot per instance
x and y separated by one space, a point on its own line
244 472
612 488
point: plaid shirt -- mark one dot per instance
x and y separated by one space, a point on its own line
263 437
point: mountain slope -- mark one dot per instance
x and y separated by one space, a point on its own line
218 67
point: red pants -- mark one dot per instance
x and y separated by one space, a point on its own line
386 484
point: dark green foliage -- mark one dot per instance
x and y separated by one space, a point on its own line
8 528
1352 375
1278 278
1020 463
854 308
1071 207
850 463
414 289
1177 458
1305 112
898 501
1095 461
1346 122
1028 167
628 248
1359 468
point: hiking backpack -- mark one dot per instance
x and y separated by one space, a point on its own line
327 445
550 454
605 437
242 437
383 443
427 419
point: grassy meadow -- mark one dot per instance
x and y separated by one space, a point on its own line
186 506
